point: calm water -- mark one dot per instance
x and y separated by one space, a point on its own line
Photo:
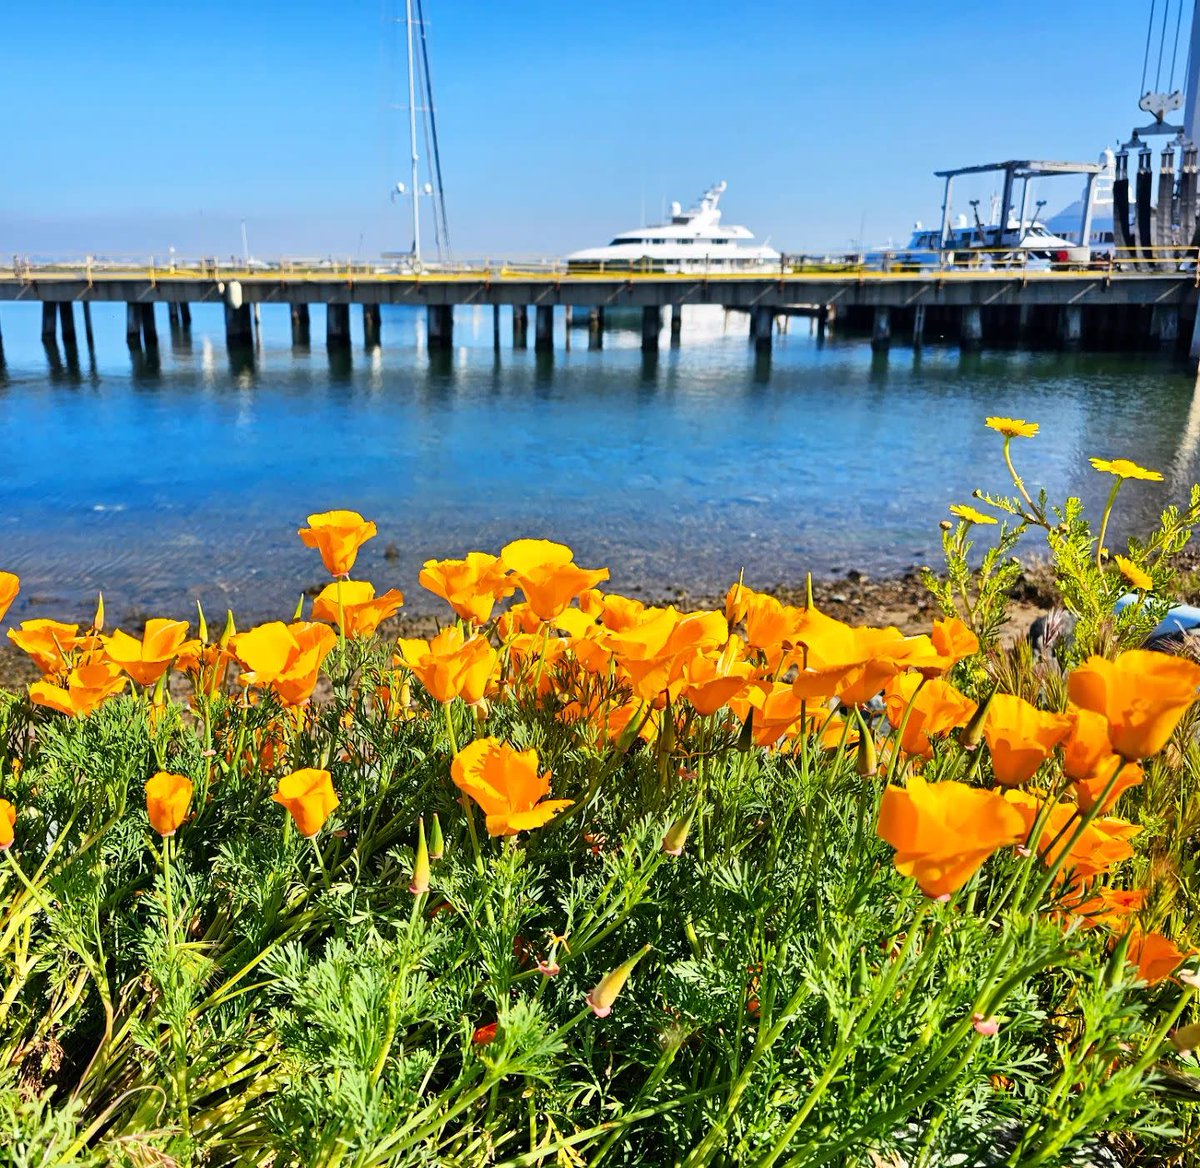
187 477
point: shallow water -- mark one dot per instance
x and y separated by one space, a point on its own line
165 480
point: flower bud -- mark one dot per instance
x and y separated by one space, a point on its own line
746 735
676 837
98 619
866 764
420 875
1187 1038
611 984
229 631
437 845
201 624
299 613
988 1027
971 734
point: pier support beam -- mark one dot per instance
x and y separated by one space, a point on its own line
440 322
301 327
970 334
918 326
1070 326
520 326
372 325
66 316
543 338
172 314
49 322
762 325
881 334
496 327
337 326
239 331
1164 325
824 317
676 324
185 314
87 326
1194 347
568 314
596 328
133 326
149 328
651 327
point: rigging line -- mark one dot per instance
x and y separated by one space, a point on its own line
1175 50
425 115
437 152
1146 54
1162 42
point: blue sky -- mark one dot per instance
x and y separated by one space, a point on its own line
144 125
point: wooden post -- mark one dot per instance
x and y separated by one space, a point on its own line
762 325
1070 326
918 326
87 326
440 322
133 326
239 333
496 327
337 326
49 319
185 314
881 336
301 327
520 324
372 325
596 328
971 331
651 327
66 317
676 324
543 340
149 328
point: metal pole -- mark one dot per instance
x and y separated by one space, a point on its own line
412 134
1089 201
1191 83
946 208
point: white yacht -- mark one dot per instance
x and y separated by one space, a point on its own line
1067 222
693 241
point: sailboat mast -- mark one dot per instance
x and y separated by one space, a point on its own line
412 135
1191 81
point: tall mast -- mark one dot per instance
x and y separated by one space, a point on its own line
1191 81
412 134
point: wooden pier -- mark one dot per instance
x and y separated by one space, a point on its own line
1080 308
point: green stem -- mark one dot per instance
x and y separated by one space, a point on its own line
1108 507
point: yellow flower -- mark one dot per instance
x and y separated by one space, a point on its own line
1124 469
1012 427
1133 573
970 514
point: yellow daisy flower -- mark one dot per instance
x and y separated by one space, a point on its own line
1133 574
1013 427
1124 469
970 514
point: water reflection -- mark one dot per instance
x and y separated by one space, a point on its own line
673 467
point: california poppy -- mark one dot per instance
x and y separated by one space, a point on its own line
1155 956
86 688
450 665
943 832
284 658
9 586
146 660
506 785
471 586
547 574
308 797
337 535
8 820
1142 694
360 609
925 710
1020 737
1107 906
49 642
167 800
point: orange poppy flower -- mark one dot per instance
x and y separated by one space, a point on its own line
548 575
167 800
1088 790
50 643
1020 737
207 665
1087 744
362 609
308 797
777 711
337 535
8 820
484 1035
506 785
616 613
87 686
1142 694
943 832
1108 907
450 666
936 709
148 659
713 680
9 586
952 642
1154 956
517 619
1104 842
284 658
470 586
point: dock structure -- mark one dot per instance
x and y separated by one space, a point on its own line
1073 308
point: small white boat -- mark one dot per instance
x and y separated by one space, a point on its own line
692 241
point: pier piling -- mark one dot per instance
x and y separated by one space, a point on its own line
66 316
173 314
520 326
881 334
133 327
49 319
1164 325
185 314
651 327
543 338
970 335
372 325
918 333
301 327
149 328
676 324
1070 326
596 327
496 327
440 322
239 332
337 326
762 325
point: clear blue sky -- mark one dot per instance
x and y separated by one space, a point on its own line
146 124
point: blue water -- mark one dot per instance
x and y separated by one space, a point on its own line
186 476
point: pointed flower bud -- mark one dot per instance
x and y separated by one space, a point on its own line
229 631
201 624
299 608
971 734
611 984
746 736
420 875
676 837
98 619
437 845
866 764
